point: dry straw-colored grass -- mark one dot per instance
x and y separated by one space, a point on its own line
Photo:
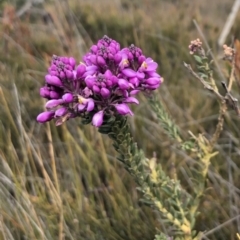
65 182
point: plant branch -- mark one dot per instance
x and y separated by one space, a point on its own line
204 83
159 191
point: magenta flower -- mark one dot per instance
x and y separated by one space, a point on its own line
85 104
104 83
148 65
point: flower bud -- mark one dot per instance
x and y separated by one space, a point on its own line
72 62
44 92
123 109
53 103
81 107
81 69
98 119
129 72
53 80
69 75
90 105
94 48
105 92
117 58
90 81
101 61
60 112
96 89
62 75
54 95
131 100
152 81
45 116
123 84
67 97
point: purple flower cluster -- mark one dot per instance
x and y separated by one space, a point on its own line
103 84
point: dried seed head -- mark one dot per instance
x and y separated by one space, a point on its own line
195 45
228 52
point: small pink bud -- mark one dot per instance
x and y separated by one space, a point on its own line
54 95
44 92
60 112
67 97
123 109
98 119
129 72
81 69
105 92
123 84
53 103
90 81
117 58
69 74
72 62
152 81
96 89
45 117
101 61
131 100
90 105
53 80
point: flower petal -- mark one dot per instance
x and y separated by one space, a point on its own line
90 105
123 109
128 72
151 66
152 81
140 75
131 100
98 119
123 84
134 92
81 107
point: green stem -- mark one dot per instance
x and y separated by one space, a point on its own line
149 176
165 121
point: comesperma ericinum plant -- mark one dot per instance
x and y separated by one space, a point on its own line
99 91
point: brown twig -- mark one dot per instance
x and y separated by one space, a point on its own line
205 84
232 101
222 100
232 73
219 127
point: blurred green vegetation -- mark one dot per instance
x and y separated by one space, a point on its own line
65 182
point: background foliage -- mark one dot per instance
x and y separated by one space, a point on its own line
65 182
